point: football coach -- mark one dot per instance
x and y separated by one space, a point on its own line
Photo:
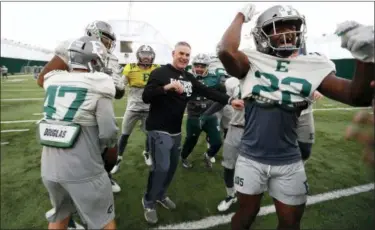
168 90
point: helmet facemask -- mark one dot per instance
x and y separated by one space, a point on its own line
200 63
200 69
280 36
145 55
103 33
108 41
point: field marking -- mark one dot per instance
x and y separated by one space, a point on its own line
14 130
31 121
212 221
22 90
23 99
14 80
4 143
20 121
349 108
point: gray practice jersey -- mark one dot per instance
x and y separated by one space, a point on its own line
232 86
270 135
310 108
84 99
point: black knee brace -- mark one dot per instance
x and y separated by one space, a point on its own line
229 177
305 150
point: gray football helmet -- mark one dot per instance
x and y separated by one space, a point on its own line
267 26
87 53
103 32
201 59
145 55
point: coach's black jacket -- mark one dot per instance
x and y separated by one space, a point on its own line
167 107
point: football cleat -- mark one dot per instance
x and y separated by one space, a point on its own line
225 204
207 160
115 187
147 157
213 160
186 164
117 166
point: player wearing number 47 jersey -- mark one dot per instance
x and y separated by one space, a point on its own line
136 77
78 127
275 84
102 32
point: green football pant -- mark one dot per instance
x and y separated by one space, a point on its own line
193 131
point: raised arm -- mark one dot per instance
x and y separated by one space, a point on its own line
359 40
235 62
56 63
355 92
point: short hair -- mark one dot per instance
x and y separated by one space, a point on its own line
182 43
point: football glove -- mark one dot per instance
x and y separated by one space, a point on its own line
248 12
358 39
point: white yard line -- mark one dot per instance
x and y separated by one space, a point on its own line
349 108
4 143
19 121
23 99
36 114
212 221
14 130
22 90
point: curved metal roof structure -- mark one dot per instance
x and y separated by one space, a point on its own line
18 50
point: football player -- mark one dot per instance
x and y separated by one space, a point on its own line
103 32
195 108
77 130
231 142
306 128
305 132
136 77
224 115
275 84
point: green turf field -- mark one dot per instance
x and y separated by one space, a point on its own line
335 164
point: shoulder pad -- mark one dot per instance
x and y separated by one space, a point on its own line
319 59
101 83
49 76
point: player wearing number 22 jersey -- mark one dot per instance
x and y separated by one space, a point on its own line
136 77
78 125
276 84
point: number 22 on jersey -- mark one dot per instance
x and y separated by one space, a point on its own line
279 88
63 102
